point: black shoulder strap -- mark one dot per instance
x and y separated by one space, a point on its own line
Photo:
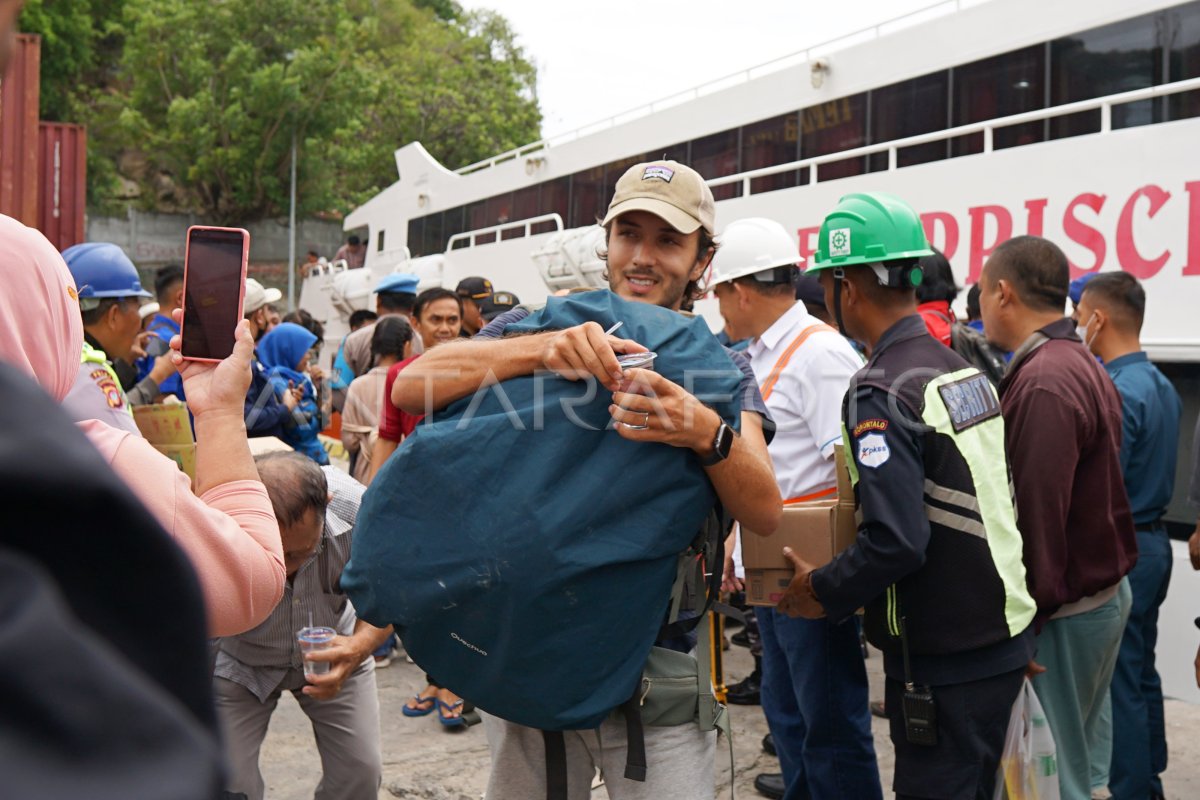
556 765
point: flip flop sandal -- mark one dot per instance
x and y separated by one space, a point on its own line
409 711
450 722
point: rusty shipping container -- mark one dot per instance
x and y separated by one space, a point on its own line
19 95
62 188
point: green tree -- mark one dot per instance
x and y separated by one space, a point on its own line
218 89
470 90
199 102
81 45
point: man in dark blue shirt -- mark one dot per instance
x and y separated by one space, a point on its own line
168 290
1109 318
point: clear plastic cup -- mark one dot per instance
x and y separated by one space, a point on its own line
637 361
311 640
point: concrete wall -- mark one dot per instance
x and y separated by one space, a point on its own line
152 240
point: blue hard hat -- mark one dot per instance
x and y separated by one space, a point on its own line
399 282
101 269
1075 288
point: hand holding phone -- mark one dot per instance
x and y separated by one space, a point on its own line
214 284
219 387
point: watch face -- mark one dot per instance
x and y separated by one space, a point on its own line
724 442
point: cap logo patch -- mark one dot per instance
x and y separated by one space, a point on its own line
839 242
658 171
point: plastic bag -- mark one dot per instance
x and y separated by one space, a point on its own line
1029 764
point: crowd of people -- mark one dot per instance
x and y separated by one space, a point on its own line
1011 475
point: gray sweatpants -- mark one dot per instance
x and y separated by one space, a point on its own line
679 761
346 728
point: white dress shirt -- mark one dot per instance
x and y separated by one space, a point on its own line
803 368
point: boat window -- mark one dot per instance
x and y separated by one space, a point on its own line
498 209
832 127
452 223
476 216
1106 60
910 108
1007 84
554 199
416 236
379 246
716 156
770 142
612 173
524 205
435 234
588 197
1183 31
677 152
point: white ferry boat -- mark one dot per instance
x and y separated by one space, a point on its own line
1078 120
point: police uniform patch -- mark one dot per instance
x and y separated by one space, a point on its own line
868 425
110 389
658 171
970 401
873 450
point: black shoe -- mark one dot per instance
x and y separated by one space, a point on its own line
741 638
770 784
878 709
768 745
747 692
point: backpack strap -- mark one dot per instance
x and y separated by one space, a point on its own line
556 765
635 739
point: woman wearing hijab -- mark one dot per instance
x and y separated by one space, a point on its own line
225 524
391 342
284 352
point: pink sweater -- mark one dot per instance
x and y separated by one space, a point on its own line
229 534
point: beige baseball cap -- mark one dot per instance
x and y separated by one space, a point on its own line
670 190
256 296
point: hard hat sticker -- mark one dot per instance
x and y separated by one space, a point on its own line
658 171
839 242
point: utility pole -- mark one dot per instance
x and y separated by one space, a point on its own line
292 232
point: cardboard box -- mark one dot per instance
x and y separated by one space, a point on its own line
167 428
817 530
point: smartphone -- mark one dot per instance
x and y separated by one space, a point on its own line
214 282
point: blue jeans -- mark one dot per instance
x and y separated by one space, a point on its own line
814 693
1079 653
1139 739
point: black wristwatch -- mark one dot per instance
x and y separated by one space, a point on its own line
722 444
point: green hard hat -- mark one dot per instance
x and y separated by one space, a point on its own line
869 228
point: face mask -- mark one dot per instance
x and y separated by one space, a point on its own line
1082 332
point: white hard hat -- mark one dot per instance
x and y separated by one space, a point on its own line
752 245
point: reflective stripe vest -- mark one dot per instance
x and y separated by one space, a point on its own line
971 590
110 385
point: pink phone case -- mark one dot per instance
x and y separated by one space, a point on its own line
241 288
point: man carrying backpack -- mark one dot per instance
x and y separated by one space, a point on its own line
937 562
660 228
814 681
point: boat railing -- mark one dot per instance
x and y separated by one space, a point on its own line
987 128
942 8
523 227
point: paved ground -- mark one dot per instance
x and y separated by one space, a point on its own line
424 762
